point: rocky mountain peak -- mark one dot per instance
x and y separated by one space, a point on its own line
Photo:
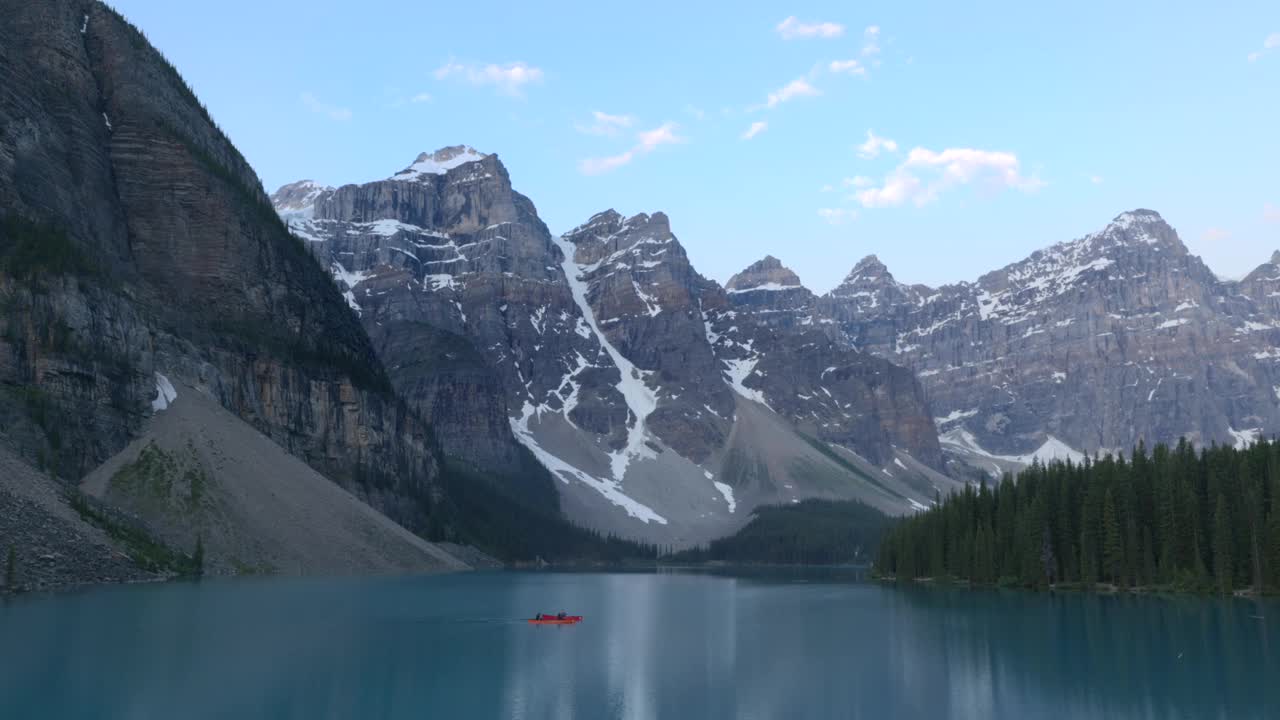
1275 257
1138 228
869 273
439 162
768 272
297 197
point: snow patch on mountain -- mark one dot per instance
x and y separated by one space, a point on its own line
740 370
640 399
165 393
1244 438
610 489
439 162
727 493
1052 449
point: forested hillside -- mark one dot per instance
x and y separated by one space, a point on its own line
1174 518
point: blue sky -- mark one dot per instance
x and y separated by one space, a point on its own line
999 127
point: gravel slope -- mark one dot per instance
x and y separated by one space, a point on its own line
53 547
198 472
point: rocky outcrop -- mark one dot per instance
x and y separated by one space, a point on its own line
1087 346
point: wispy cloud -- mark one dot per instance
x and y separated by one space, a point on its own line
1095 179
799 87
875 145
850 67
1271 213
755 129
871 40
1215 234
697 112
1271 42
509 78
420 98
837 216
606 124
925 174
646 141
792 28
315 105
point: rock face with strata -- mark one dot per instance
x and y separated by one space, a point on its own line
138 246
1087 346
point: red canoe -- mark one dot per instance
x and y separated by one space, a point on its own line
553 620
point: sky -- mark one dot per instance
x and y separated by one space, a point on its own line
949 139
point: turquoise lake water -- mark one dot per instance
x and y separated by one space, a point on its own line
669 645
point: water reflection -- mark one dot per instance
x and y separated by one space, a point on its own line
653 646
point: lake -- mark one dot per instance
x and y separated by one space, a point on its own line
666 645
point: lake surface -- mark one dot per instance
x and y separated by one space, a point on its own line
670 645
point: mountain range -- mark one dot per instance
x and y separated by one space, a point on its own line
669 406
184 352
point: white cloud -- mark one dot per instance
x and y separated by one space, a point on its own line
1095 179
755 129
792 28
875 145
827 188
836 216
925 174
1271 42
858 181
1271 213
597 166
315 105
852 67
606 124
509 78
664 134
647 141
420 98
1214 234
871 40
799 87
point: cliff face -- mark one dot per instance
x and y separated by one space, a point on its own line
1089 345
137 245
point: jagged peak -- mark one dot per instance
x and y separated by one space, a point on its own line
767 273
1136 217
1275 257
1134 227
868 269
611 222
440 162
296 197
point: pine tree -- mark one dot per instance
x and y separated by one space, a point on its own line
197 559
1222 547
1047 558
11 570
1273 533
1112 546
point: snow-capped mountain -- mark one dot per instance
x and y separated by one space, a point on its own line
666 406
1086 346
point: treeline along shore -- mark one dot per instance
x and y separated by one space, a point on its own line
1172 519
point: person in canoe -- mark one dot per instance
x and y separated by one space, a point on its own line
561 616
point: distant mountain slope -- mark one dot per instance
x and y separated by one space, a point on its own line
608 357
1090 345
